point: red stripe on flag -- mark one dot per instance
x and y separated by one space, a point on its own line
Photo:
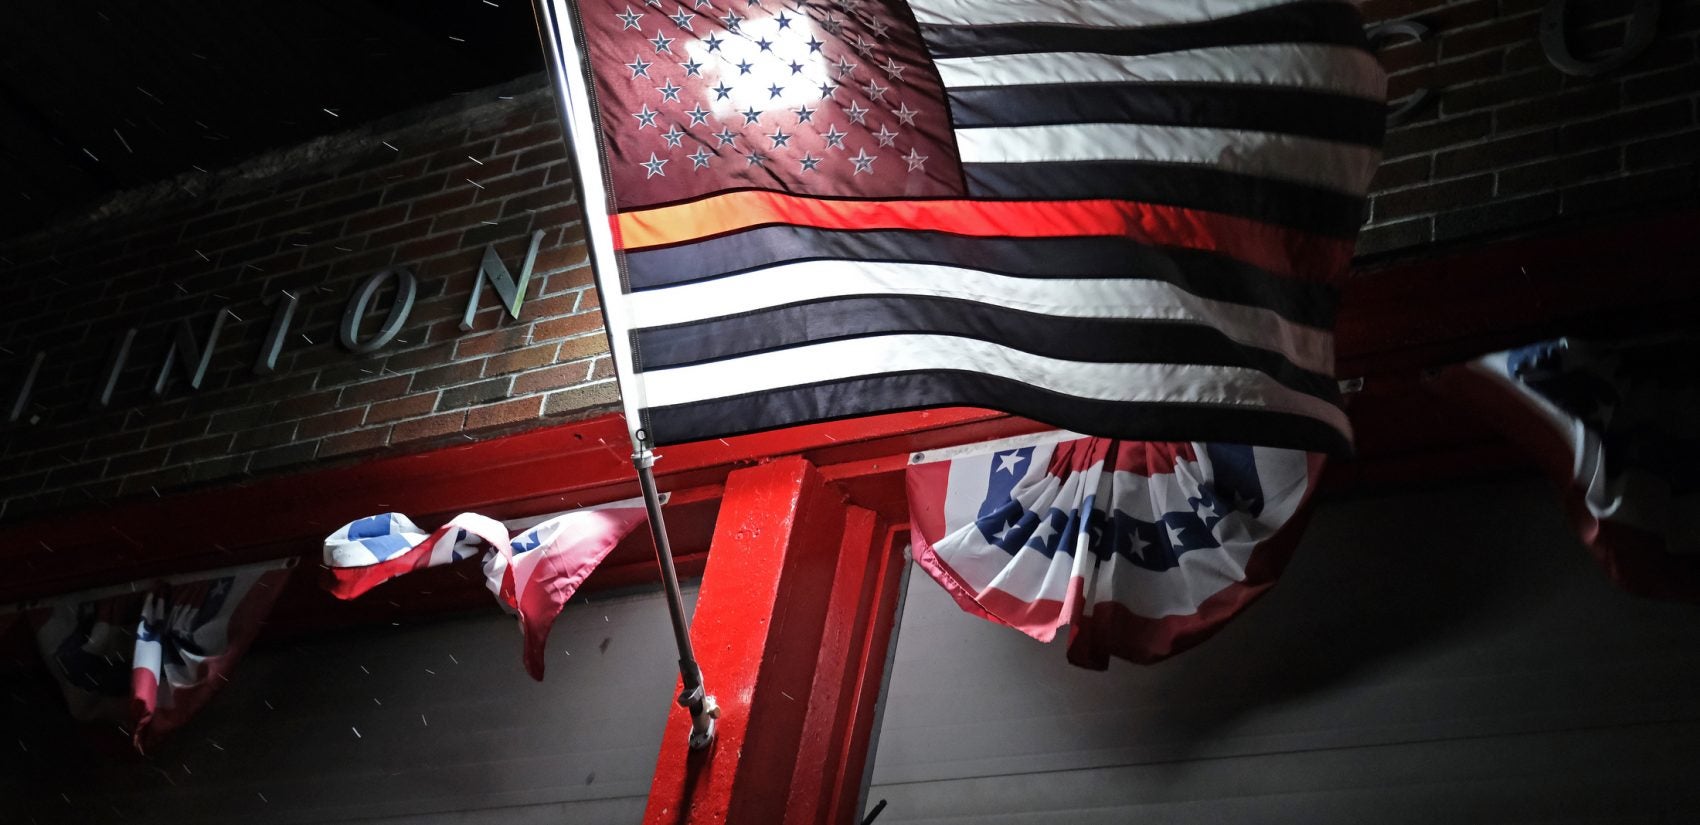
1272 248
1141 458
350 582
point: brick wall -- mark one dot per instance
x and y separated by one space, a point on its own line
428 193
1509 142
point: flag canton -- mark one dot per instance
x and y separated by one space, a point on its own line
1011 523
832 99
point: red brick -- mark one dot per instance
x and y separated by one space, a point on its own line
478 215
178 431
553 378
155 483
200 449
534 136
354 442
507 412
1394 174
1435 197
504 338
1497 34
339 421
446 376
495 189
573 349
581 399
405 407
445 202
382 389
270 435
567 325
302 406
137 462
529 358
396 234
376 219
1552 173
428 247
560 257
435 426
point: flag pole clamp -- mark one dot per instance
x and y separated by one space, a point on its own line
692 695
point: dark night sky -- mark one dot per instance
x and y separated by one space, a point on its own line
101 96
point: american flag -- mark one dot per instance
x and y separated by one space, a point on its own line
1614 423
149 656
1122 218
532 574
1143 549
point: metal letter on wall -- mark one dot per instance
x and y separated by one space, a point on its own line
406 289
114 366
1379 36
1643 29
266 364
496 272
195 357
22 401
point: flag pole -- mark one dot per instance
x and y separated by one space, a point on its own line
567 71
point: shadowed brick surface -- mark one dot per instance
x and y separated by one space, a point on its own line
1508 143
490 174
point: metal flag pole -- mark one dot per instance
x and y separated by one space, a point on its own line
567 70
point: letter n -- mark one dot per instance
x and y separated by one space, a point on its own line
191 354
493 270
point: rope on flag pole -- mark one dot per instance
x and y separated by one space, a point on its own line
559 38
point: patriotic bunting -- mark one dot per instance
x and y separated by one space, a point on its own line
149 658
1125 219
532 574
1143 549
1615 425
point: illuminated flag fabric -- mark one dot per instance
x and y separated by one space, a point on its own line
1122 218
364 554
149 658
1142 548
532 574
1615 425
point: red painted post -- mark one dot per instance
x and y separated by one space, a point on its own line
760 630
821 773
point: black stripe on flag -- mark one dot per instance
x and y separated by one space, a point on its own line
1320 115
896 392
1107 340
1323 23
1192 186
1200 272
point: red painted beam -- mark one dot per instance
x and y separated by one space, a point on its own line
1605 278
762 635
557 468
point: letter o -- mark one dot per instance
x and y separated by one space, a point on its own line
406 289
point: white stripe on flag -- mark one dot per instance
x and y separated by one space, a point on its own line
1284 475
1339 69
877 355
1131 299
1097 13
1340 166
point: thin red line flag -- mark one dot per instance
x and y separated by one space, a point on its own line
1122 218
